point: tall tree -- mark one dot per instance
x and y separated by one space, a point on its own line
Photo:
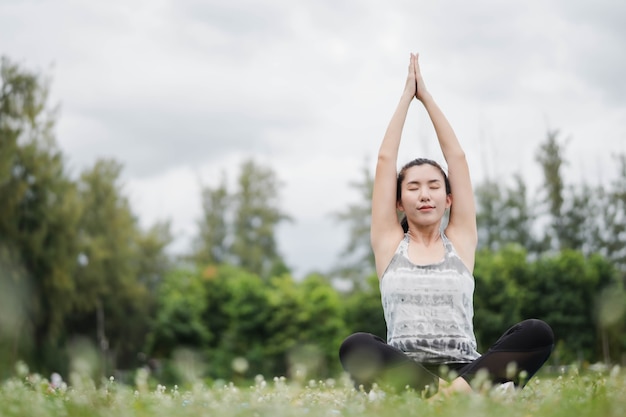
614 236
550 157
580 218
257 214
211 246
504 215
152 260
357 258
112 280
490 204
39 207
562 289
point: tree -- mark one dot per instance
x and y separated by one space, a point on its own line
212 243
181 304
518 216
357 258
238 312
363 309
489 204
113 279
39 208
323 305
580 220
613 231
550 157
562 290
500 292
239 227
257 214
503 215
152 261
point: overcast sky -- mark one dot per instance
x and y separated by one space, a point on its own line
180 91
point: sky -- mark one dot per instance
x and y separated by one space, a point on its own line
181 92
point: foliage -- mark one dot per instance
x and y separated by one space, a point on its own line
179 322
504 215
500 292
562 292
550 157
244 326
363 310
561 289
212 240
357 259
72 247
39 208
244 233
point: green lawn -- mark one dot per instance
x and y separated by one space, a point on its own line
588 394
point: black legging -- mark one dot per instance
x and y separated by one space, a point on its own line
516 356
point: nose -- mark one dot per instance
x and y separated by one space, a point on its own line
424 194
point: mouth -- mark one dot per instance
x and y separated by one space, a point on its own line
426 208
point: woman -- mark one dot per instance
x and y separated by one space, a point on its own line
426 276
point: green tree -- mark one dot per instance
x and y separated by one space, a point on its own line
357 258
287 317
613 231
363 309
323 322
550 157
151 259
39 206
489 207
179 322
257 214
500 293
580 218
503 215
237 312
16 329
113 280
562 290
212 243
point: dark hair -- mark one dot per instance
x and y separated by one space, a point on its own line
416 162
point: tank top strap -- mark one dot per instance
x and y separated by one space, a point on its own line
446 242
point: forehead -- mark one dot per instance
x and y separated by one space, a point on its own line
423 173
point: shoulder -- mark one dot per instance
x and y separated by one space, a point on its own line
385 249
464 245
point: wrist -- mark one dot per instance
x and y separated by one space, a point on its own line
424 96
406 96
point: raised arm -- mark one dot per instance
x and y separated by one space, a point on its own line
386 232
461 228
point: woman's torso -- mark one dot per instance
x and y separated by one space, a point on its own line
429 308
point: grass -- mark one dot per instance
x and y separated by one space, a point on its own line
572 394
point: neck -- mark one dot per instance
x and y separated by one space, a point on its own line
425 236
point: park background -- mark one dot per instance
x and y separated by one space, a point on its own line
185 185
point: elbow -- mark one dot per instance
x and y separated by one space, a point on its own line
455 155
386 158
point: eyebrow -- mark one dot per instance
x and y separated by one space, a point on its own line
436 180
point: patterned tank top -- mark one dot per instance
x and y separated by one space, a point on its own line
429 308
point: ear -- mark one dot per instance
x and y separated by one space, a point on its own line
448 200
399 206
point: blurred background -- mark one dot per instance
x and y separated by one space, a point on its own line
184 186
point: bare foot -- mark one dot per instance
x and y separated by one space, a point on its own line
449 388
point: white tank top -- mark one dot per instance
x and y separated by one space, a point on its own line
429 308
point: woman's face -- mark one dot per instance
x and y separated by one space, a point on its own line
423 198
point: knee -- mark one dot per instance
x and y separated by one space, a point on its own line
354 340
541 332
358 342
